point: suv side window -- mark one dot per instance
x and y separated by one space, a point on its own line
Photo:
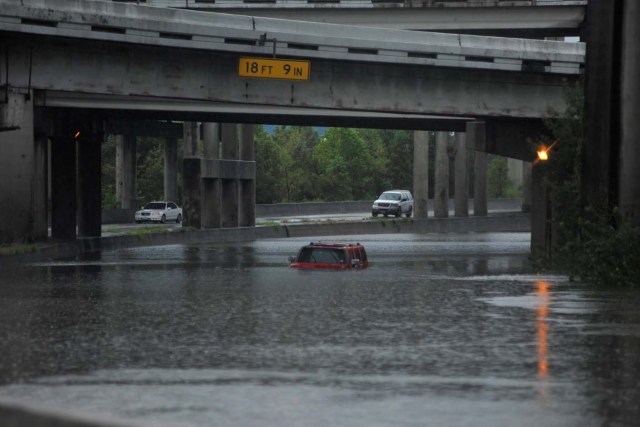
172 206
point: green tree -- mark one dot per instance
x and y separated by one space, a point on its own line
150 175
299 170
499 184
270 183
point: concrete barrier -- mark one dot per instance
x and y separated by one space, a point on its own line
14 413
494 223
121 216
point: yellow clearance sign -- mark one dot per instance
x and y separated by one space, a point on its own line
274 68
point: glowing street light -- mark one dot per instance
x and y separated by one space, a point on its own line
543 152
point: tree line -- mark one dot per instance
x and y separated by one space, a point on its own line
301 164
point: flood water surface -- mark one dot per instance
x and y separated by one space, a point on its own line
440 330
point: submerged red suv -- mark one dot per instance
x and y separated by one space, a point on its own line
330 255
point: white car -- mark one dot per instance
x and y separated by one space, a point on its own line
393 202
159 212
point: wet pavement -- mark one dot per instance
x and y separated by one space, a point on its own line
440 330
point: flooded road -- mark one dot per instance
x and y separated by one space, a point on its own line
440 330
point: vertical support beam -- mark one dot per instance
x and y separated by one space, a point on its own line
191 177
63 180
441 184
192 192
40 185
211 186
247 202
90 179
461 197
526 186
602 102
420 174
171 169
629 175
540 214
477 137
229 187
191 139
23 174
480 187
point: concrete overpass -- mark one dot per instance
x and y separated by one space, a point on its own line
522 19
101 59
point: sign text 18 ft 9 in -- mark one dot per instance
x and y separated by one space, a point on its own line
274 68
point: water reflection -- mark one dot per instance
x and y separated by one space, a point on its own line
542 329
439 330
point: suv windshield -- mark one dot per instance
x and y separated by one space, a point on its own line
390 196
322 255
154 206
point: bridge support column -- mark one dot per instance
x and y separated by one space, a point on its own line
171 169
191 177
229 187
476 138
461 197
247 203
211 186
63 179
420 174
441 184
126 169
90 179
629 175
480 187
540 213
526 186
23 177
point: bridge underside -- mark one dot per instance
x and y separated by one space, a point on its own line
98 68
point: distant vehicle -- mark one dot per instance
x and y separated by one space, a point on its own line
159 211
393 202
330 256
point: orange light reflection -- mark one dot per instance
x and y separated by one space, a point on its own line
542 328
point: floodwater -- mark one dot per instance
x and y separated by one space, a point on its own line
440 330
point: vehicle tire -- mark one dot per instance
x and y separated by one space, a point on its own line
374 214
408 214
386 214
163 219
178 219
399 213
138 222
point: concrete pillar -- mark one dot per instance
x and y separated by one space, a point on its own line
191 178
514 172
602 120
63 180
211 140
461 198
171 169
629 175
191 139
420 174
540 214
211 186
23 176
247 190
229 187
192 192
480 187
526 187
441 179
90 179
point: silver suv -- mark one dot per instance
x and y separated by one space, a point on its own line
393 202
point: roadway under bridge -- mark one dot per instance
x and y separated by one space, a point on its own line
75 65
